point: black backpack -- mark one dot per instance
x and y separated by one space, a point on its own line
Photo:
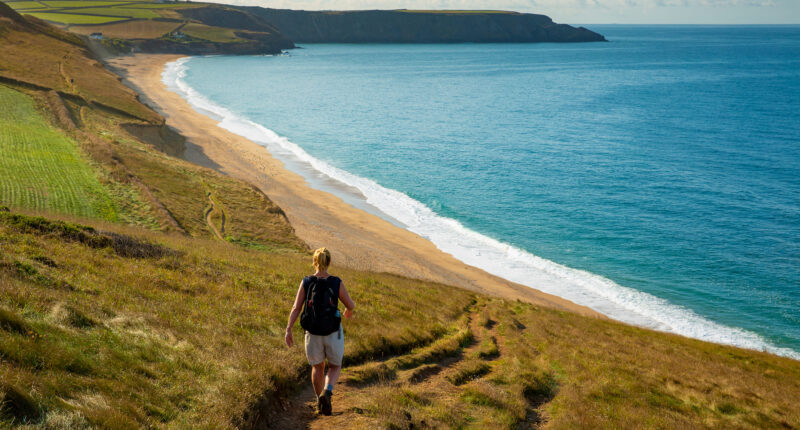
321 310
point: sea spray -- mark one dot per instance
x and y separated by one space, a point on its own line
504 260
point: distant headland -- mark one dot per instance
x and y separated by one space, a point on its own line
417 26
191 28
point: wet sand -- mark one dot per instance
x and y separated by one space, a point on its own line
357 239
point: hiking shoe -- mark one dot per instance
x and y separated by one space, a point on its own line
319 404
325 403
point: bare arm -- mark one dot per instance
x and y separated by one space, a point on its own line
296 308
344 296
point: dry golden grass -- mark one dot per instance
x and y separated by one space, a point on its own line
60 62
151 188
177 336
535 367
250 217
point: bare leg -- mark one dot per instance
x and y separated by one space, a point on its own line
318 377
333 374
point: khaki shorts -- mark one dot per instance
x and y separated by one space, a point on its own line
318 348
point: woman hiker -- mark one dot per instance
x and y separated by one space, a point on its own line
318 297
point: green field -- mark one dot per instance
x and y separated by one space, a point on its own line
40 168
92 12
118 11
69 18
62 4
161 5
24 5
214 34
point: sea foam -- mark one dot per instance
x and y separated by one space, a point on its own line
503 260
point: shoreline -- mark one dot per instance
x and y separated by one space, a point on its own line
357 239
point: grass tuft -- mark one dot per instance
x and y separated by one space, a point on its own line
17 406
728 408
539 385
69 316
124 246
12 322
424 372
468 370
488 350
442 348
371 373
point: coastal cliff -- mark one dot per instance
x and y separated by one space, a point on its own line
205 28
405 26
162 303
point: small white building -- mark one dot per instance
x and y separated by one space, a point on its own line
98 36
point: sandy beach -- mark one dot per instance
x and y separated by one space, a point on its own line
357 239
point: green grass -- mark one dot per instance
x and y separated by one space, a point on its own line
214 34
71 18
119 11
42 169
90 9
161 5
26 5
70 3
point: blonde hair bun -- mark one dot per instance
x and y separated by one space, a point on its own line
322 258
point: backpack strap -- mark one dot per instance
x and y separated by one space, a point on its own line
336 286
307 282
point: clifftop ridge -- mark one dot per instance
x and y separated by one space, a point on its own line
412 26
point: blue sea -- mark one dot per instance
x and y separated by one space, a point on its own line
654 178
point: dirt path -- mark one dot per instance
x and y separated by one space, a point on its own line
209 212
432 369
68 81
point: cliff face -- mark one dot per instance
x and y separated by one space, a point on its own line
383 26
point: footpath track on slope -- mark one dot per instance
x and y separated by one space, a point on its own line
429 369
207 216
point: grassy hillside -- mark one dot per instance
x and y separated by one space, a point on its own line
42 169
159 27
119 327
68 12
33 53
148 329
171 313
117 148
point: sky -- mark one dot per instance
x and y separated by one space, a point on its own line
583 11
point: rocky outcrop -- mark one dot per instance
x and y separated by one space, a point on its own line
384 26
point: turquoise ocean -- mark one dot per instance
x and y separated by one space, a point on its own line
654 178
